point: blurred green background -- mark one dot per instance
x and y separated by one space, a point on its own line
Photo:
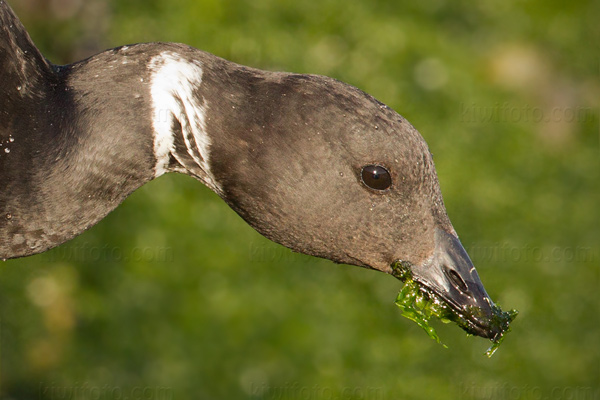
174 296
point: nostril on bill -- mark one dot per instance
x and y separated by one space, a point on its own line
456 280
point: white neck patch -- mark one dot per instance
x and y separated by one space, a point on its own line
174 84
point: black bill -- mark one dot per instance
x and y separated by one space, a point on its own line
449 281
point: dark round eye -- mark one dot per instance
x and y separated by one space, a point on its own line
376 177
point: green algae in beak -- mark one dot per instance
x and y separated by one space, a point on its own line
504 318
417 304
420 304
417 307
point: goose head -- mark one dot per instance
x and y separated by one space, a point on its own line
327 170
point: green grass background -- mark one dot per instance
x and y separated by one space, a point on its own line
174 296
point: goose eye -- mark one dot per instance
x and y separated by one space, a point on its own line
376 177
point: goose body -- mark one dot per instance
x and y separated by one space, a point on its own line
310 162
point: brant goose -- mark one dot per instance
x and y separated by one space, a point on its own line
310 162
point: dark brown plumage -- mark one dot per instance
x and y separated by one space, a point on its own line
285 151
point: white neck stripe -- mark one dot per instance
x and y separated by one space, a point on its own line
173 89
